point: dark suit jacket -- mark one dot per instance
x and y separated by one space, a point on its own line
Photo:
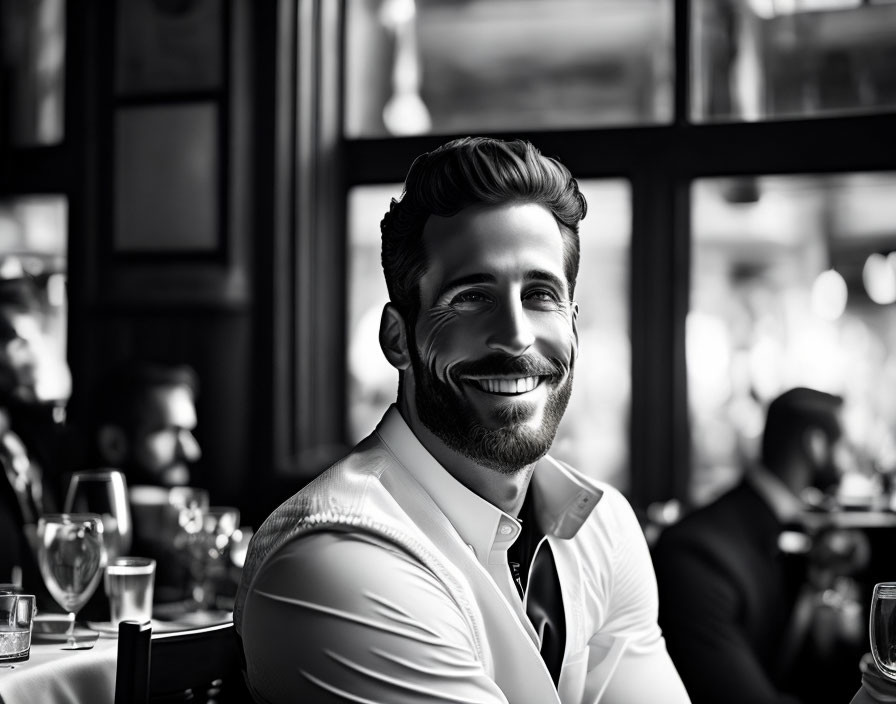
726 597
15 549
42 438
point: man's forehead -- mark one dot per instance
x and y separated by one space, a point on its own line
518 239
169 405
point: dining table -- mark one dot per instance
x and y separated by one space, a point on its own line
54 675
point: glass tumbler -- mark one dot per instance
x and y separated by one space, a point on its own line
16 619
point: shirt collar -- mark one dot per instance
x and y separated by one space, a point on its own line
784 504
563 498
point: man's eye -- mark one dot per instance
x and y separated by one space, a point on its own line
470 298
543 297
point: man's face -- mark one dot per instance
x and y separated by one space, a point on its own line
495 342
163 445
18 359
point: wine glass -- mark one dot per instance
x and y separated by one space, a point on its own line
185 514
104 492
71 555
882 628
210 549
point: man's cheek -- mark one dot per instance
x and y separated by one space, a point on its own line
561 345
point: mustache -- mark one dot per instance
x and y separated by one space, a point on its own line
505 365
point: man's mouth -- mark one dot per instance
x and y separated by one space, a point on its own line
507 386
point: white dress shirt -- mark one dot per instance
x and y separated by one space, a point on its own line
342 613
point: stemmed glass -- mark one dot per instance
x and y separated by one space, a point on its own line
882 628
104 492
209 550
71 555
185 512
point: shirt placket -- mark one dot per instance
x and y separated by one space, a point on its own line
506 532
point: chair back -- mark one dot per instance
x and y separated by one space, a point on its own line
196 665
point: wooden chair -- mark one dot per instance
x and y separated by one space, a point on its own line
197 665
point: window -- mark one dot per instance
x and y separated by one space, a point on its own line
421 66
761 59
32 35
793 284
33 271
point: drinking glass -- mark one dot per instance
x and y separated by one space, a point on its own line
209 550
882 628
71 555
104 492
186 508
129 585
16 620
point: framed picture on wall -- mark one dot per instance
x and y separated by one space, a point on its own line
168 46
167 179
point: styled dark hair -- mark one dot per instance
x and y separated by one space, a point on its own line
473 171
793 412
122 394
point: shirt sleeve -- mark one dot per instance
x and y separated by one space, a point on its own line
339 617
645 673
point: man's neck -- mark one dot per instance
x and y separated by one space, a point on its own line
505 491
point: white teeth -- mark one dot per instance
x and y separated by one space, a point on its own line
509 386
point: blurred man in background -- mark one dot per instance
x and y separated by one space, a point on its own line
32 437
143 423
146 415
740 579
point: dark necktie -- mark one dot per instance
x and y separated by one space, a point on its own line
544 603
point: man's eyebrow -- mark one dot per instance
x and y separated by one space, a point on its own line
482 278
468 280
547 277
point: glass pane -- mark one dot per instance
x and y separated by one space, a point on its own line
33 55
593 435
761 59
441 66
33 299
793 284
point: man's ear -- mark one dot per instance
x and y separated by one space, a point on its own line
575 325
113 444
393 337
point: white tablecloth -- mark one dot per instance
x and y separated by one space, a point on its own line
55 676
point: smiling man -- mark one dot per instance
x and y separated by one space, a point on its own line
448 557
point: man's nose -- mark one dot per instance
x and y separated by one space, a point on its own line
512 332
188 445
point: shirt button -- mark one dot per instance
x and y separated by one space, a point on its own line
505 529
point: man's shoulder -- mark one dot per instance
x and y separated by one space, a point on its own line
344 488
716 524
349 495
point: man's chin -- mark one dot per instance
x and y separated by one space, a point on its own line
507 450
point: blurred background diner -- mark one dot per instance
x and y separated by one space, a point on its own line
201 182
759 603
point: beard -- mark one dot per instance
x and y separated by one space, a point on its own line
511 445
171 474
